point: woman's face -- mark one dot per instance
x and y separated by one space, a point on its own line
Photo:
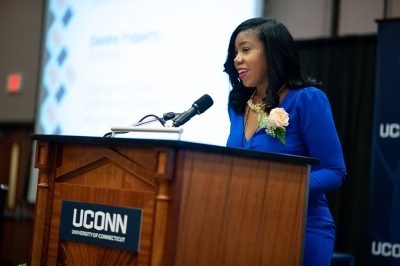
250 60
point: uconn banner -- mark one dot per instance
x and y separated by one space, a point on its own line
384 220
102 225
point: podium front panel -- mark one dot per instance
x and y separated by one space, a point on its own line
200 205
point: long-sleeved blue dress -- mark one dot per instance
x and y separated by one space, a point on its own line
311 132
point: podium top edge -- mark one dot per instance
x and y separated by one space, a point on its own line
176 144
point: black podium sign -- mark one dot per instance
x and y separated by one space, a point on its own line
103 225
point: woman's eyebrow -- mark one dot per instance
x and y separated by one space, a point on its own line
244 42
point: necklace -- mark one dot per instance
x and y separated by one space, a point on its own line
257 107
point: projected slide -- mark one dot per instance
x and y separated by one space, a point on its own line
110 62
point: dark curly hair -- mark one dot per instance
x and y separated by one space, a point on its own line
282 60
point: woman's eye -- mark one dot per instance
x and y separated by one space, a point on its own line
245 49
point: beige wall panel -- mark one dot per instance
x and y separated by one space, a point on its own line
358 16
304 18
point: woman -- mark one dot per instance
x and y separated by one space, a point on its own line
273 108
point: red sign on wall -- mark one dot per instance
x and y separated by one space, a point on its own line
14 82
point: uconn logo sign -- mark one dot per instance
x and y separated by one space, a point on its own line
100 220
389 130
385 249
103 225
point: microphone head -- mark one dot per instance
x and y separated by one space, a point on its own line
203 103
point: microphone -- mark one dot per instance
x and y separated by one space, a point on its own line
198 107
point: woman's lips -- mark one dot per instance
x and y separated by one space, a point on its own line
242 72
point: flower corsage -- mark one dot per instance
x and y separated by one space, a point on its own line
275 123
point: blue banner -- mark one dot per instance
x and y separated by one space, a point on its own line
384 215
101 225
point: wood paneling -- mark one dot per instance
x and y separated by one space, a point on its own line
199 208
98 175
237 211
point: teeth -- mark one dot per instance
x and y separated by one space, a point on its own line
242 71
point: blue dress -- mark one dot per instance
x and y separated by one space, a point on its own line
311 132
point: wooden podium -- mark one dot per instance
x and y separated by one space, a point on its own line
201 204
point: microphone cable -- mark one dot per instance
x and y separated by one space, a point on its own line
167 116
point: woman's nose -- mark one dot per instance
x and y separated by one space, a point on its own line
238 60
